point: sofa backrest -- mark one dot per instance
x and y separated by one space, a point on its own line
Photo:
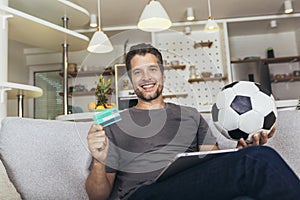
45 159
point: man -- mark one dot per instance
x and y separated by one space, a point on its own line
130 154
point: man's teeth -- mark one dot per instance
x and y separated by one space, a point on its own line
148 86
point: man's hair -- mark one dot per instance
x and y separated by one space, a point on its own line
142 49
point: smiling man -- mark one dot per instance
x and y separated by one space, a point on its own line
130 154
147 79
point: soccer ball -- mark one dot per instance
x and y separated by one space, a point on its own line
243 108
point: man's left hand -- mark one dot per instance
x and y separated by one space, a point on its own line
257 139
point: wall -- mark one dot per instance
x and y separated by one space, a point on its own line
297 35
255 45
17 73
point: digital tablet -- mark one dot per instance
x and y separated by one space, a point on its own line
184 161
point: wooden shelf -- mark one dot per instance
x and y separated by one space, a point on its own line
85 93
286 79
271 60
182 67
175 95
207 79
107 72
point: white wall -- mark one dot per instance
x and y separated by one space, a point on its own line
17 73
297 35
284 44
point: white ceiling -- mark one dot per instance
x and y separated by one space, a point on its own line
115 13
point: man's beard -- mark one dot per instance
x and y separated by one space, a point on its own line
156 94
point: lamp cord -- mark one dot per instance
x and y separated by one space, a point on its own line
99 20
209 9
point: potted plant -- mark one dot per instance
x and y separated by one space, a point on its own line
102 90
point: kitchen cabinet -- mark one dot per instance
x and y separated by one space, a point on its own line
281 75
253 37
292 75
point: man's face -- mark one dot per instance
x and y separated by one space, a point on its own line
147 78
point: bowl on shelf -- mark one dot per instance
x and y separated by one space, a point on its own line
175 62
296 73
206 74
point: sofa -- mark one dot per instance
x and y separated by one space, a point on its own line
48 159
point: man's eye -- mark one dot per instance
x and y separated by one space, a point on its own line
136 72
153 68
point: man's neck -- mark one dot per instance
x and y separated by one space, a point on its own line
150 105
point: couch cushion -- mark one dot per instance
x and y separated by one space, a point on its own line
285 141
45 159
287 138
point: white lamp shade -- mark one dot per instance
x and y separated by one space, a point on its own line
154 18
211 25
100 43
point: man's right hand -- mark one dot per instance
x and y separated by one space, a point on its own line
98 143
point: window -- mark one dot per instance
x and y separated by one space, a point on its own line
50 104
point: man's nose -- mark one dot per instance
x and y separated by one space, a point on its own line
146 75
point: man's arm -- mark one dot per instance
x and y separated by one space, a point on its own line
99 183
208 147
258 139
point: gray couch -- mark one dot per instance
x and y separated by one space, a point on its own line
49 159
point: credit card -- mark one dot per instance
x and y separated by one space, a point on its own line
107 117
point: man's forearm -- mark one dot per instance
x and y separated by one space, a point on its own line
97 184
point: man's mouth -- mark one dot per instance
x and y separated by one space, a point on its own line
147 86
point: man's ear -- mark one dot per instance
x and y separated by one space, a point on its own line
164 77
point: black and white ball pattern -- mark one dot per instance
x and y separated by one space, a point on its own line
243 108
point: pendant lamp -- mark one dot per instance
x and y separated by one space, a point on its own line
211 24
154 18
99 42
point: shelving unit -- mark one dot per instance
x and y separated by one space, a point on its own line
36 28
27 27
77 14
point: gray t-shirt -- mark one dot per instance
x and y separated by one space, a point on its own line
145 141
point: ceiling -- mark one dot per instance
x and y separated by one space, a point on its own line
118 13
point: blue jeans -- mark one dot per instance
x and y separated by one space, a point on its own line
257 172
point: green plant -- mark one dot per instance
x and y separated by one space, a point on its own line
102 90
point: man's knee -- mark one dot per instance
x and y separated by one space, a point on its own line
265 153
